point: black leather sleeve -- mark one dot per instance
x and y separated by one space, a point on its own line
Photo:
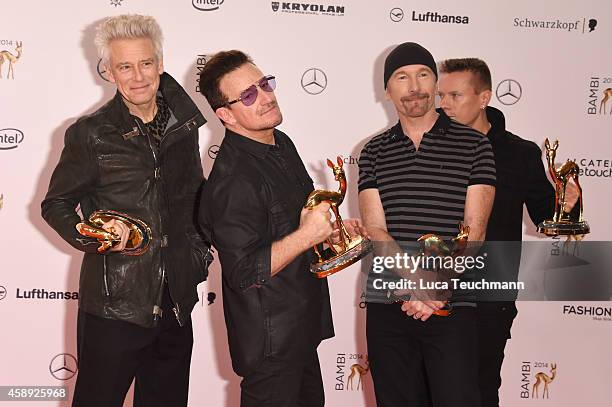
71 181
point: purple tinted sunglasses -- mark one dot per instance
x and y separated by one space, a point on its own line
249 95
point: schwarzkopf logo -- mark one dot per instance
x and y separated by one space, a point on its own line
2 292
116 2
10 138
508 92
579 25
307 8
102 71
314 81
207 5
63 366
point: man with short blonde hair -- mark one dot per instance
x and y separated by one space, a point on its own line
138 155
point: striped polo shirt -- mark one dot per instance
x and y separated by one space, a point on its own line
423 191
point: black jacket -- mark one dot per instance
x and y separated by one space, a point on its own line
521 179
253 197
109 162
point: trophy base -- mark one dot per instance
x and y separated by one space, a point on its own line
332 263
568 228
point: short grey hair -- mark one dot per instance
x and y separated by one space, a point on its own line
128 26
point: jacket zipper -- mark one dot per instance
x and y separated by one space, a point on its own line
157 310
106 290
188 124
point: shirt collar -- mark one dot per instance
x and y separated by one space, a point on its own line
259 150
440 127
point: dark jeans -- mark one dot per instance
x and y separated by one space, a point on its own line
494 324
408 357
112 353
277 383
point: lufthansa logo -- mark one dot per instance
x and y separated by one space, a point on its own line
213 151
314 81
207 5
102 71
275 6
2 292
63 366
508 92
396 14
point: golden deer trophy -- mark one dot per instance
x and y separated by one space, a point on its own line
349 249
433 245
138 241
563 223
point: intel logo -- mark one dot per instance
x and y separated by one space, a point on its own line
10 138
207 5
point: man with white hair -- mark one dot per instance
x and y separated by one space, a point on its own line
138 155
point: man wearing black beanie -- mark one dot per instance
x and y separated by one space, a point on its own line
424 175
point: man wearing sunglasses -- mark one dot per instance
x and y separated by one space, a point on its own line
276 313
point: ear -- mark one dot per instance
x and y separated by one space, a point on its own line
340 163
387 96
160 67
330 164
485 97
109 71
225 115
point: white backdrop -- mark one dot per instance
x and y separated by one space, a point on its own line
558 73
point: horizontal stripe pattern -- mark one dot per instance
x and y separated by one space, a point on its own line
423 191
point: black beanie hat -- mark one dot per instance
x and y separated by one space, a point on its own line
408 53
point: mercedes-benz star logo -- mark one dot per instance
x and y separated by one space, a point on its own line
63 366
314 81
2 292
213 151
396 14
508 92
102 70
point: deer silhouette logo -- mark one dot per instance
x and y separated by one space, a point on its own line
607 94
12 59
359 371
542 377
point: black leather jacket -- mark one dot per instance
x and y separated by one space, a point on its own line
109 162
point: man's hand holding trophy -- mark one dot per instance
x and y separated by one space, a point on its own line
117 232
349 242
